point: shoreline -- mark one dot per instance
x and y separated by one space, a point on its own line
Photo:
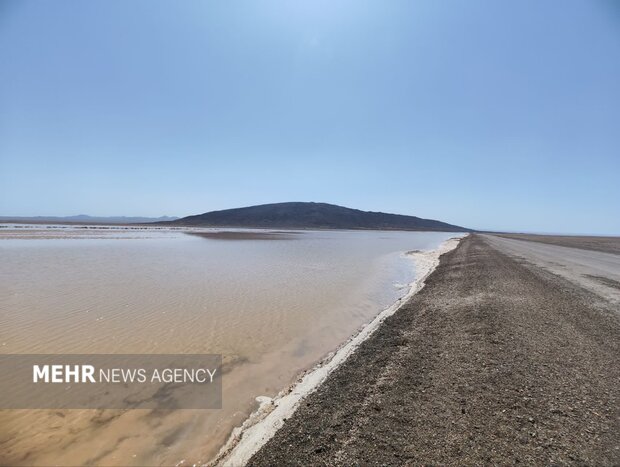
497 360
263 423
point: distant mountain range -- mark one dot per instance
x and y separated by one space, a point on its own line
85 219
311 216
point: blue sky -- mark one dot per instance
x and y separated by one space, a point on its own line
498 115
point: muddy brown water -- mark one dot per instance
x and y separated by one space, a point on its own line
271 308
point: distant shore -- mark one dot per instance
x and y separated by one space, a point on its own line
496 361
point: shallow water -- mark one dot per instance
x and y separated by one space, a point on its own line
273 305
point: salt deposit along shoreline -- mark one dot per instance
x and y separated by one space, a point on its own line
263 423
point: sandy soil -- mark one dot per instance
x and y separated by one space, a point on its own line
605 244
495 361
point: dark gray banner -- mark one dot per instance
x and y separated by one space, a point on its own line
110 381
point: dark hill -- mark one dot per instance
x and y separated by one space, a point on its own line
311 216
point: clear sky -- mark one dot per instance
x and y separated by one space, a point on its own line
487 114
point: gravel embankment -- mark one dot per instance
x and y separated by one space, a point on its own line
495 361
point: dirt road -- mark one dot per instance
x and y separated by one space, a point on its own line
604 244
596 271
